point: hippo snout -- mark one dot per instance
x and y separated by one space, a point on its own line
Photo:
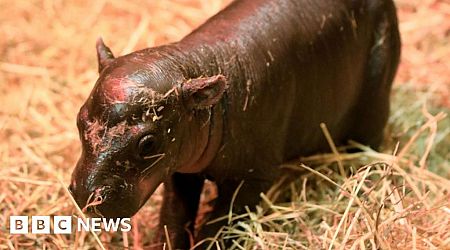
105 201
104 195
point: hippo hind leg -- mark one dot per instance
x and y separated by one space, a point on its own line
372 109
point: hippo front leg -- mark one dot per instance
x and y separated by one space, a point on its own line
247 194
179 209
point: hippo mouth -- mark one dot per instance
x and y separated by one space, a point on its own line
149 184
116 201
107 202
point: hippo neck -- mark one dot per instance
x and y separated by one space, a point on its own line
236 45
214 129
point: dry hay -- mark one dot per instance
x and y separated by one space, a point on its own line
392 202
48 67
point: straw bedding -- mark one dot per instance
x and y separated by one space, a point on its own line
399 200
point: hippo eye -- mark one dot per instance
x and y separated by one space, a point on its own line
147 146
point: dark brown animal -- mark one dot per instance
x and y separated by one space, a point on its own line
230 102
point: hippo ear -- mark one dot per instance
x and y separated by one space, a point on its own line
204 92
104 55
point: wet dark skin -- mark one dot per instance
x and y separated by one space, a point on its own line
230 102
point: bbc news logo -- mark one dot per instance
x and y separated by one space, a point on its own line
64 224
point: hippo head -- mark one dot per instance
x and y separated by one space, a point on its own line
139 125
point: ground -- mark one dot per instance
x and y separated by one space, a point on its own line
48 67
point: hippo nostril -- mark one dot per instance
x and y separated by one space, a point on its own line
95 198
98 191
70 188
103 193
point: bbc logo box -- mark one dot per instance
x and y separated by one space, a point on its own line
40 225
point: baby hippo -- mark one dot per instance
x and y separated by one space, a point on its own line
230 102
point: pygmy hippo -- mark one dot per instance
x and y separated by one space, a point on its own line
230 102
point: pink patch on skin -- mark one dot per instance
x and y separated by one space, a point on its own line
84 114
118 130
116 90
101 137
92 134
134 130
